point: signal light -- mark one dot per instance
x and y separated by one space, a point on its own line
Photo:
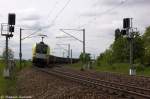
11 18
11 28
126 23
123 32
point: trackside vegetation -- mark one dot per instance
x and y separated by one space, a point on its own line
118 52
8 86
116 57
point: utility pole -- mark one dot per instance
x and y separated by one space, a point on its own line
71 56
42 39
94 57
7 52
82 41
20 46
63 54
68 50
83 49
131 54
20 53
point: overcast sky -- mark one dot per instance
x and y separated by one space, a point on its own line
99 18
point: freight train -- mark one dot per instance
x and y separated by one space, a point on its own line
61 60
41 56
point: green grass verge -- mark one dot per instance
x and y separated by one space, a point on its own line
3 82
122 68
25 64
8 86
75 65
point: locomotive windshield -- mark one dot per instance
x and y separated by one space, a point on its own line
41 48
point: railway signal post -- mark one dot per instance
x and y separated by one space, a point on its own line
128 31
8 28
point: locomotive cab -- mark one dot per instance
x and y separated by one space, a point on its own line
40 54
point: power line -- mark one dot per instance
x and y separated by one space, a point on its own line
53 21
50 12
38 30
105 12
29 36
71 35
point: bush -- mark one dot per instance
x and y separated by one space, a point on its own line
140 68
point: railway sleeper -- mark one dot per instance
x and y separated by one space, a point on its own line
113 92
121 94
131 97
82 81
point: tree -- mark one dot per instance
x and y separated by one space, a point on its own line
117 34
138 48
119 51
146 38
105 58
10 54
87 57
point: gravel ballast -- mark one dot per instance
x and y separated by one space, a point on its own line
40 85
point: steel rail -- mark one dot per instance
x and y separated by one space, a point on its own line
96 83
123 86
129 83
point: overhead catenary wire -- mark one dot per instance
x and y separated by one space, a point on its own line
62 48
52 23
103 13
71 35
51 11
29 36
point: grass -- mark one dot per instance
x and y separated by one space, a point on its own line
122 68
119 68
3 82
75 65
8 86
25 64
143 71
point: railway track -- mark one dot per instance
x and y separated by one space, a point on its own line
139 81
113 88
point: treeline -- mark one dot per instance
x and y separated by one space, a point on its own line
119 51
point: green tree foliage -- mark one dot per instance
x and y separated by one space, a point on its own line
138 48
87 57
117 34
10 54
119 50
105 58
146 38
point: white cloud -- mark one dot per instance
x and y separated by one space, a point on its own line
99 18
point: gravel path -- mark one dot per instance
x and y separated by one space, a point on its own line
40 85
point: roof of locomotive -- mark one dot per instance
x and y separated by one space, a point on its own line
41 43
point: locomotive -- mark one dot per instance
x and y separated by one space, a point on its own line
40 54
